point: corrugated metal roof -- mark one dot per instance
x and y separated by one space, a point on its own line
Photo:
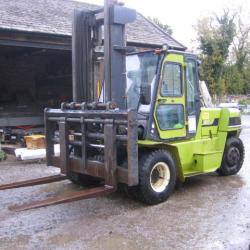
55 17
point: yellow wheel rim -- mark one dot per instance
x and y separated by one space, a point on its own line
159 177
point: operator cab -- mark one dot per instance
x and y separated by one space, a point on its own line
165 87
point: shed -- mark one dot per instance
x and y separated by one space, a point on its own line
35 58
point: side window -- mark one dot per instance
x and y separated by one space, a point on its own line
191 86
171 80
170 116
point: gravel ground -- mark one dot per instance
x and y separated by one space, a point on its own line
206 212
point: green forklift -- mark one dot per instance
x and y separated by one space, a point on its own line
146 129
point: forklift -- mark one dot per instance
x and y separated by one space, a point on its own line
145 127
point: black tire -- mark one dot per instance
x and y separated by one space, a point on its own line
233 157
148 164
84 180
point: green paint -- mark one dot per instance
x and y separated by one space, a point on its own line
204 151
178 130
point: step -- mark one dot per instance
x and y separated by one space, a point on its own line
207 161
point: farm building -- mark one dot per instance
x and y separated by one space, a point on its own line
35 59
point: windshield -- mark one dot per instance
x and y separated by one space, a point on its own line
141 72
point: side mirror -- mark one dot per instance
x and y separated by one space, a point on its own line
145 96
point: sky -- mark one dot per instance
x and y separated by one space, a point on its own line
183 15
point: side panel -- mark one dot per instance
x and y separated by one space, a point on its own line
209 122
202 153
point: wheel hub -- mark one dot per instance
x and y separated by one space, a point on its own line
159 177
233 156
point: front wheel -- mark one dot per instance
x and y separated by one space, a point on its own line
233 157
84 180
157 177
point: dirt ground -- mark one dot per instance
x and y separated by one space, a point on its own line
206 212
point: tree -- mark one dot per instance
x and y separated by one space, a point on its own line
224 42
164 27
247 79
241 52
241 44
234 79
226 32
215 35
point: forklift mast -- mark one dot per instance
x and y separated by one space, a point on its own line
96 126
89 35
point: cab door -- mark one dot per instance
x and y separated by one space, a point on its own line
192 93
170 111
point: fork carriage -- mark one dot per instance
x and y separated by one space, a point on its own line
90 140
96 140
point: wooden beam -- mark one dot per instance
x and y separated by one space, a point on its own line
34 40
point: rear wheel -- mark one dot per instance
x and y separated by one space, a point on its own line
233 157
157 177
